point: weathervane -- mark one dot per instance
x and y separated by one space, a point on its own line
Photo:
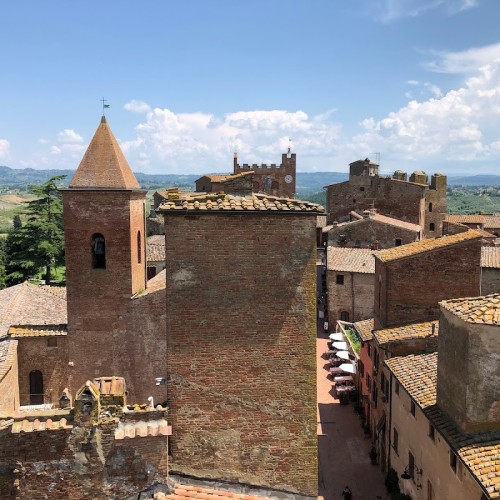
104 105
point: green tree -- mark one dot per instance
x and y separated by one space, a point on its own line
39 243
17 223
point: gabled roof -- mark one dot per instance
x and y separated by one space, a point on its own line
381 219
27 304
482 310
365 329
465 219
425 246
104 166
490 257
351 260
155 248
491 221
407 332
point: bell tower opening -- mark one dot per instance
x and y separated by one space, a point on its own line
98 251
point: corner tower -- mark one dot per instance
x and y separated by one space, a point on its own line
104 221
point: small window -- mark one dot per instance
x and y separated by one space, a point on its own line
139 247
411 465
453 461
361 188
52 342
98 251
431 226
396 388
395 440
340 279
398 242
412 408
432 432
344 316
430 207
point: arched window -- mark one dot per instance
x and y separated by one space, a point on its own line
98 251
431 226
344 316
430 207
36 387
139 248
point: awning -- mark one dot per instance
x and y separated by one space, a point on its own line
348 368
336 336
381 424
340 345
342 354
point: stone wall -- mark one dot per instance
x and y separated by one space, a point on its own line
354 296
241 359
490 280
407 290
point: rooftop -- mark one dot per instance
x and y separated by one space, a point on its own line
351 260
104 165
365 329
177 201
490 257
155 248
407 332
185 492
466 219
19 331
481 310
480 452
27 304
492 221
426 246
383 219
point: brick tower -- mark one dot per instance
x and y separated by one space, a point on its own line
104 222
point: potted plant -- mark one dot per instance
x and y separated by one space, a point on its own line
373 455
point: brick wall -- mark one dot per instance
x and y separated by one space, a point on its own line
241 323
354 296
490 280
410 288
34 353
9 387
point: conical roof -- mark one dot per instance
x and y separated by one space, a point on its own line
104 165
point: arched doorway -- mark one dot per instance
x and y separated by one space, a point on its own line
36 387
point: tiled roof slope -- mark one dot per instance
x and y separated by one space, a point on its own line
104 164
58 291
425 246
158 282
365 329
155 248
482 310
407 332
466 219
177 201
479 451
491 221
216 177
396 222
351 260
27 304
189 492
490 257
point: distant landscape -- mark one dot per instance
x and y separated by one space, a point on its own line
466 194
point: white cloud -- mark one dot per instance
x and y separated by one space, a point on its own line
203 142
4 148
69 136
137 107
458 126
390 10
466 61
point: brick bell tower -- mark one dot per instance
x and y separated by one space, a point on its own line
104 226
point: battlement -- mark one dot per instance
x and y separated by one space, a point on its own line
288 160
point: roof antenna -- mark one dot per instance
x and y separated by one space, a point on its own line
289 152
104 105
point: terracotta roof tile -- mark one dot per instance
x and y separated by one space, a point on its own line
215 177
479 451
104 164
490 257
39 424
491 221
155 248
425 246
58 291
158 282
465 219
183 491
482 310
351 260
178 201
365 329
143 428
19 331
27 304
406 332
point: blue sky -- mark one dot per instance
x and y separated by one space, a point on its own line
191 81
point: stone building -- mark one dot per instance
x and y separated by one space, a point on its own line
445 422
374 231
410 280
350 282
155 255
488 222
241 359
277 180
490 270
413 200
244 411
